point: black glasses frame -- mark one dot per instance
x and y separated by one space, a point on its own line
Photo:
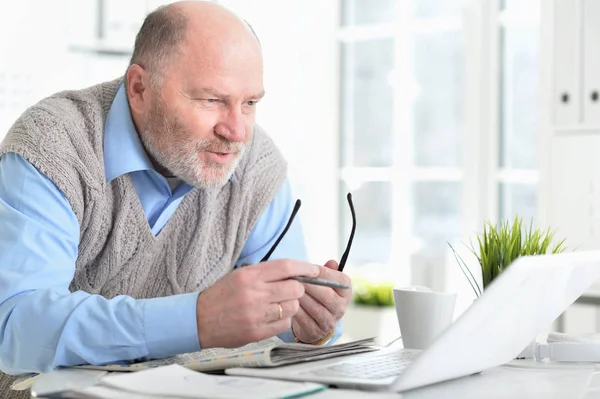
291 219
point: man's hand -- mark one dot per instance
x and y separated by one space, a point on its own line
321 307
251 303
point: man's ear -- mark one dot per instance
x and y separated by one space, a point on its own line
137 88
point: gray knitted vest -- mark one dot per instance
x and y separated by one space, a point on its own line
63 135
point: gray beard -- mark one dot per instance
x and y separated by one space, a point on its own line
182 162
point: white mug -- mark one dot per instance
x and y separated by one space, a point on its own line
422 314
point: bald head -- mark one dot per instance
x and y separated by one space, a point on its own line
202 25
193 84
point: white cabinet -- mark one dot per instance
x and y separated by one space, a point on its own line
570 119
575 189
570 122
591 65
576 63
566 61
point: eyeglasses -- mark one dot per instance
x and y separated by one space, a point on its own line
289 223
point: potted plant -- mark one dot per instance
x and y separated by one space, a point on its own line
370 293
498 246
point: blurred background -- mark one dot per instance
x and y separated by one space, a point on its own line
435 114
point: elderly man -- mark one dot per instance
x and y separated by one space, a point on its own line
127 208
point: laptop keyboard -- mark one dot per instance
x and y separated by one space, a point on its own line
373 367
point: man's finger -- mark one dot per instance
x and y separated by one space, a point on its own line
318 312
283 269
332 264
308 325
281 310
333 274
325 296
328 273
285 290
276 327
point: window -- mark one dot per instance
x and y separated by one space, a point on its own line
410 115
401 125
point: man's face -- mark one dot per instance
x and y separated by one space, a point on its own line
201 117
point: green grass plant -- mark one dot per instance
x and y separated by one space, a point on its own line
499 245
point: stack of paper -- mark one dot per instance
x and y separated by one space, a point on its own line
175 381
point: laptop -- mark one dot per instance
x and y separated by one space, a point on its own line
518 305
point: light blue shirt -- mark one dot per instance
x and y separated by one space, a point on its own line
42 324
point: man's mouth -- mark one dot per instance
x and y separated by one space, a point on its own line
219 157
220 151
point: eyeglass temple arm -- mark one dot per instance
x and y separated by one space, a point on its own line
349 245
287 226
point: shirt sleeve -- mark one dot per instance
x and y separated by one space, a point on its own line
292 246
42 324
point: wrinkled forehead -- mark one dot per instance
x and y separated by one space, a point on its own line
226 65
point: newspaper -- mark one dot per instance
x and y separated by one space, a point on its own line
187 358
267 353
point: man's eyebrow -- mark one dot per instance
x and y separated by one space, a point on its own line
258 95
218 94
212 92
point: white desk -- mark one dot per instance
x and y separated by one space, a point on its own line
520 379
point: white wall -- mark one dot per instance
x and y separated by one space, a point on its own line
31 54
36 59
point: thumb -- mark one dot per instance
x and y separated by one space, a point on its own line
331 264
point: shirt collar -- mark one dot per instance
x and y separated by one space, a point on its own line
123 151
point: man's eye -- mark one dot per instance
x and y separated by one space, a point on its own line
211 100
251 103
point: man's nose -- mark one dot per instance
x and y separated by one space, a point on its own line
232 126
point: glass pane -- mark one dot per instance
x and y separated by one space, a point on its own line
363 12
372 239
439 71
436 8
436 212
367 103
518 199
519 103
